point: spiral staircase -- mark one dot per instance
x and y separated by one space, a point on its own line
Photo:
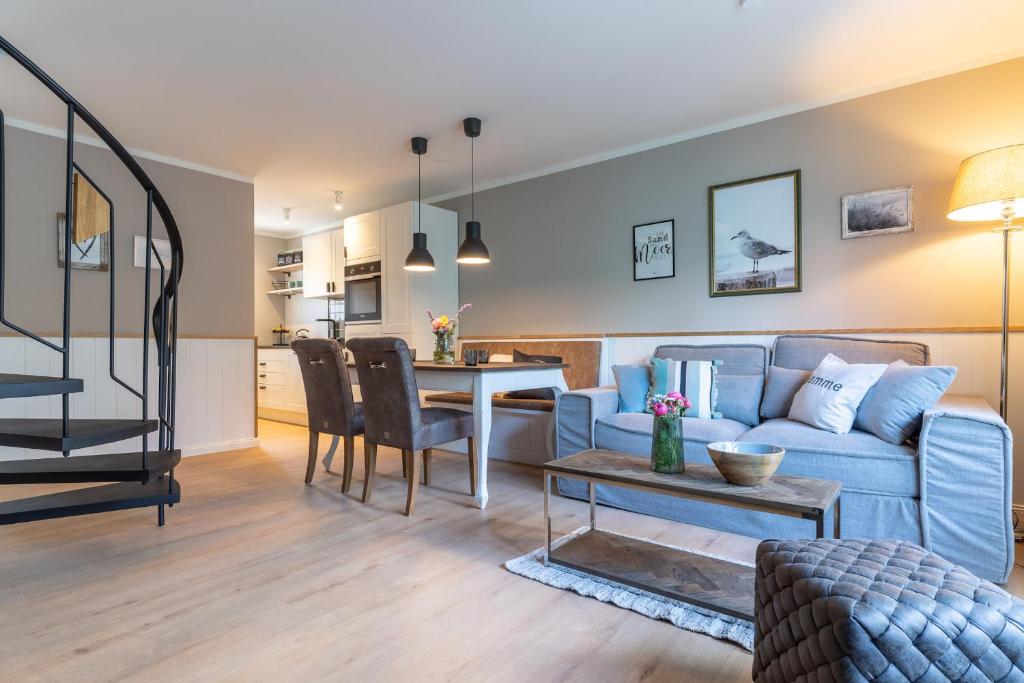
133 479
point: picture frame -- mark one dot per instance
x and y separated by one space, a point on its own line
654 256
763 214
90 253
879 212
163 247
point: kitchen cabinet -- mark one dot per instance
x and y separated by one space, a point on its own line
363 237
323 271
397 226
280 394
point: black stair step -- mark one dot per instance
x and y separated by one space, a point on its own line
45 434
20 386
89 468
121 496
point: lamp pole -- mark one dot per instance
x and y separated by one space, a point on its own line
1008 227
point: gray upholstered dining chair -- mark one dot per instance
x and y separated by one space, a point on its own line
329 402
391 405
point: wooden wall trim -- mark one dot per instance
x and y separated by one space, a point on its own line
745 333
104 335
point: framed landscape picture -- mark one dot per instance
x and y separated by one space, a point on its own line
654 250
754 235
882 212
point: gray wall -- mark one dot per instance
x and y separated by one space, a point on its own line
214 214
270 308
561 243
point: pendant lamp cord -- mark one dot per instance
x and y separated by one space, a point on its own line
472 180
419 193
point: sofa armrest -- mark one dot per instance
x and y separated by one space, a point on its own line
575 415
965 461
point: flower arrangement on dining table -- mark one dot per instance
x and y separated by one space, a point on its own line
667 442
444 328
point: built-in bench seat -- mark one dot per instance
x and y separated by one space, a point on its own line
520 428
464 398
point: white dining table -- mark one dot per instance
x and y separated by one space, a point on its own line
482 381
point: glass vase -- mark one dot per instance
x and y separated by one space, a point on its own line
444 348
667 445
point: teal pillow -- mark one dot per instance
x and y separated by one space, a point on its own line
633 383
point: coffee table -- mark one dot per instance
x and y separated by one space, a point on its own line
711 583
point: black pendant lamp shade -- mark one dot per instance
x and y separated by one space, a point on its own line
472 250
419 258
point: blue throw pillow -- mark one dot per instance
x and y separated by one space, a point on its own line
892 409
634 383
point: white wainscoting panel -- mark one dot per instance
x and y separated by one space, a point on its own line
215 390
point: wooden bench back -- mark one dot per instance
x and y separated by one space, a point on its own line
583 357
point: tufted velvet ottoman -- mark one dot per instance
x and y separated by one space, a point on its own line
858 610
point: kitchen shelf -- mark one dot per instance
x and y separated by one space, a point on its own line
287 291
290 268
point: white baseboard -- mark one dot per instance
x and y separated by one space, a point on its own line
219 446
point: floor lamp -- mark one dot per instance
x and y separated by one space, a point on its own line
990 187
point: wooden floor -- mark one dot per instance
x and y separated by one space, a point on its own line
259 577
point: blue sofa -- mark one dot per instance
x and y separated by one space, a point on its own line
949 492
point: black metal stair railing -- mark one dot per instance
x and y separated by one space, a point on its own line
163 317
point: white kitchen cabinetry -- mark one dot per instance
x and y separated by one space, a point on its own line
397 225
362 237
323 272
280 394
406 295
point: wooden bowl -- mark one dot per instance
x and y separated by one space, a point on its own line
746 464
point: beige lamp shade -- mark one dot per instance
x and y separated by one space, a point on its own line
986 183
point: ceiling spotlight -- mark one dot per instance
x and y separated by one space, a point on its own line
287 215
337 200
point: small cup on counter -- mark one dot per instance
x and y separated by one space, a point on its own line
482 356
470 356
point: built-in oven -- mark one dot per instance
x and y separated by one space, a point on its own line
362 293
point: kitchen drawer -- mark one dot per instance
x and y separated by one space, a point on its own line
264 376
270 395
268 365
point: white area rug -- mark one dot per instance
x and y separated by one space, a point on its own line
689 617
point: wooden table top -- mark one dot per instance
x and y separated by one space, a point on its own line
486 367
781 493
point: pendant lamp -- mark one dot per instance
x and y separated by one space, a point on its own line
472 250
419 259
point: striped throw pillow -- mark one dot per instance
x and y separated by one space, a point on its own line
697 380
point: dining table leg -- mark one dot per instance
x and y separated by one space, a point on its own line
482 434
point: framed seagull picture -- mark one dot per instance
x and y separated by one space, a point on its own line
754 235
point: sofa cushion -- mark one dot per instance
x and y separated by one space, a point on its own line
805 351
740 376
541 394
633 383
862 461
893 408
829 399
780 387
631 432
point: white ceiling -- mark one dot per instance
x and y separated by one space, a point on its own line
309 96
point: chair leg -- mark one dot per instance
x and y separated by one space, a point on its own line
472 465
350 451
370 459
427 457
414 482
405 466
314 443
